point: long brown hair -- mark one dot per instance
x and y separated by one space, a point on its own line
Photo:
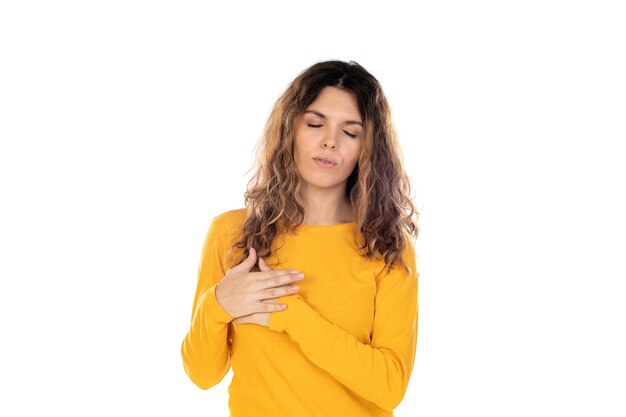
378 188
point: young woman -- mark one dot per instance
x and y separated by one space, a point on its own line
310 291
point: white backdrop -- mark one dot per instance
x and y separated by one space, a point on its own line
126 126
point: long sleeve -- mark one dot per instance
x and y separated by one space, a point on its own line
205 350
379 371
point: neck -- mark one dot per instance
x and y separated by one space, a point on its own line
326 207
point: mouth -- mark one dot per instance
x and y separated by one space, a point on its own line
324 161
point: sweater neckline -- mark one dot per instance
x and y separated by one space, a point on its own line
337 226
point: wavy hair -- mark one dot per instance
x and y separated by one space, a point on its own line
378 188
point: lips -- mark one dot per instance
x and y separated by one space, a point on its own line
325 158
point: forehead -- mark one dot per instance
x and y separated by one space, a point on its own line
336 103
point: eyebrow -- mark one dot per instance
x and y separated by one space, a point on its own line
323 116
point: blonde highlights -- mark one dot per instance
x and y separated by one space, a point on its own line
378 189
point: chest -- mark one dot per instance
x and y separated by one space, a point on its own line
338 282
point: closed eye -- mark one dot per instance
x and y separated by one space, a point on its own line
352 135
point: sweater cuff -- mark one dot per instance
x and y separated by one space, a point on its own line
216 308
279 320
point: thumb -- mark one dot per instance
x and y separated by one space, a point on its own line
263 266
247 264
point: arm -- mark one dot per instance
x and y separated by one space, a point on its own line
379 371
205 349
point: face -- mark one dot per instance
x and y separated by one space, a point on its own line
330 128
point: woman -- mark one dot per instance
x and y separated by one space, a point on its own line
310 292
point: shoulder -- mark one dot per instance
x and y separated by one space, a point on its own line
229 222
409 247
408 256
230 217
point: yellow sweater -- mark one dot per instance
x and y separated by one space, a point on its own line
344 347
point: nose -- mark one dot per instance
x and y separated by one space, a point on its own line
329 140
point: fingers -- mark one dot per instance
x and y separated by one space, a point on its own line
247 264
263 266
268 307
277 278
273 293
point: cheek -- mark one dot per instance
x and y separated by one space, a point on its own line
356 153
297 150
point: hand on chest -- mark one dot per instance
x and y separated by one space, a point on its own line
338 283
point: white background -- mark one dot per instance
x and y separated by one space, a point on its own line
126 126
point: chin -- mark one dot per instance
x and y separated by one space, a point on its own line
322 184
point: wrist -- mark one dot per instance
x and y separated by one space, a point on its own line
215 307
